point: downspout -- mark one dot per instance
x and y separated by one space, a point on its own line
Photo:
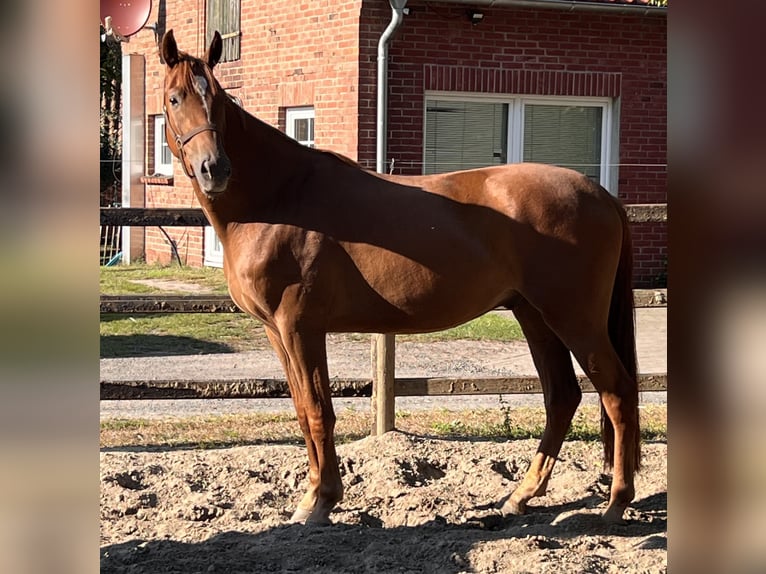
383 352
397 15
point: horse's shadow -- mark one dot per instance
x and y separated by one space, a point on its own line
436 546
540 519
148 345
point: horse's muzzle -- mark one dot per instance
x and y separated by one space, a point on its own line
213 173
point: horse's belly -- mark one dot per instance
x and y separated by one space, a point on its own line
397 294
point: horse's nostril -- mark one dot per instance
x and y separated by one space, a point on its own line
213 169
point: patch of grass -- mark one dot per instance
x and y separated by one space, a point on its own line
122 425
155 334
585 427
451 428
506 423
179 334
501 423
488 327
222 431
490 424
194 333
120 279
654 428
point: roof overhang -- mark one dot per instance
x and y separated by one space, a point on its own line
569 5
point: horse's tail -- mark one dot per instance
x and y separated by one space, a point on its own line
623 336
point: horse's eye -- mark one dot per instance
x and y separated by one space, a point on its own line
173 100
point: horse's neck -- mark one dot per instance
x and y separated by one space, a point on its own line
264 162
259 150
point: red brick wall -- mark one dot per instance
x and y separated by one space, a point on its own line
526 51
293 53
324 53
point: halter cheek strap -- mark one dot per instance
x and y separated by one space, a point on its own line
181 139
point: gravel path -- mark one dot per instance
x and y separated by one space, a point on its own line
352 359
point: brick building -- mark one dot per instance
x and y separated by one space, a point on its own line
581 84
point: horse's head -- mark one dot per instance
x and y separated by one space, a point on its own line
194 114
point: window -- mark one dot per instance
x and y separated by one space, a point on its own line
466 131
163 159
299 123
566 135
465 135
213 248
224 16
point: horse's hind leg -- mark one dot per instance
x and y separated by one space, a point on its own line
562 396
619 396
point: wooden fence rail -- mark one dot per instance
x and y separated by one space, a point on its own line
195 217
148 217
165 303
340 387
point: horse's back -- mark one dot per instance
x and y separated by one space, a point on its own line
505 186
448 247
526 203
403 254
544 225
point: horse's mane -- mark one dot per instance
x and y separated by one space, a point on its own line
343 158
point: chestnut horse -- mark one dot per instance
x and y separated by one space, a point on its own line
313 244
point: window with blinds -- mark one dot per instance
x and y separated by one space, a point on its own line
569 136
463 134
224 16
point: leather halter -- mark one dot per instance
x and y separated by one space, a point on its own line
182 139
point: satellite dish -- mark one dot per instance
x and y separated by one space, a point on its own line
123 18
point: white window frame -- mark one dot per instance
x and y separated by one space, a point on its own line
160 143
213 248
299 113
516 103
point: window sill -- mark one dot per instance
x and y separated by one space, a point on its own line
157 179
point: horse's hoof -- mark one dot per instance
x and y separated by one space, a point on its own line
300 516
512 508
613 515
309 518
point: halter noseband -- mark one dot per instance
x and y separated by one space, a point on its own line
184 138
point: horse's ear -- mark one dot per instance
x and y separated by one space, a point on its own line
214 51
169 49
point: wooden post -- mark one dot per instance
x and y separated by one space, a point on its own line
383 354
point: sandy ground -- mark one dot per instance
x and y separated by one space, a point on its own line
412 504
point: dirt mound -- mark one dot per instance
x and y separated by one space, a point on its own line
412 504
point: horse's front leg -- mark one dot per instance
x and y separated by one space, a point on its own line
304 359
